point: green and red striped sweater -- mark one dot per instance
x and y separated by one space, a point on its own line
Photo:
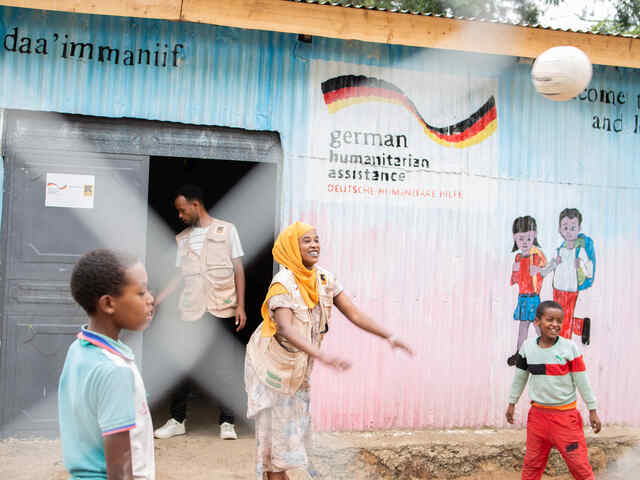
556 372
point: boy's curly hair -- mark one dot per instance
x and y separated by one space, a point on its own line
97 273
546 305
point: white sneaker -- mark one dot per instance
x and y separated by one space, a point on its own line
170 429
228 431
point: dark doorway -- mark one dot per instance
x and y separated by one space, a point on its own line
243 193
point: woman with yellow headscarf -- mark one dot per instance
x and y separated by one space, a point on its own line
281 352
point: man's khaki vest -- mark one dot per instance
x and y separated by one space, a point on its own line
279 364
209 281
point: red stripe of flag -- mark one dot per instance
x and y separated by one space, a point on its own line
351 92
347 92
473 130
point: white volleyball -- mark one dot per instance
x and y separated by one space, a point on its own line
561 73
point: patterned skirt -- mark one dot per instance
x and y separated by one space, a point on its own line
282 424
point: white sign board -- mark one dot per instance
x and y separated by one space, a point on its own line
399 135
69 191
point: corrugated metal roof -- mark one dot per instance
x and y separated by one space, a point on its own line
470 19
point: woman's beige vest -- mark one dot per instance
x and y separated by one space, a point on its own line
277 363
209 281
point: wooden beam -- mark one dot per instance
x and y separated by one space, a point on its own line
360 24
160 9
406 29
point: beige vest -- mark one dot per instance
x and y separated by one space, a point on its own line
209 281
277 363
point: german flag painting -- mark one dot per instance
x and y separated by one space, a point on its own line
346 90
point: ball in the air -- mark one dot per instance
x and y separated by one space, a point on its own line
561 73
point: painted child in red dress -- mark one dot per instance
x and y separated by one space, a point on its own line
526 273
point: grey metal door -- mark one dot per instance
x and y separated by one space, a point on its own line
41 244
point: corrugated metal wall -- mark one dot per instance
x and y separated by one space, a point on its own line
438 276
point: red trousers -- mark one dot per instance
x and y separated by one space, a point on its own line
567 300
561 429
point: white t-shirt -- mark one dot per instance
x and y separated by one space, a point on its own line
198 235
565 277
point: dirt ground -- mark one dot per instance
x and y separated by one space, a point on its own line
196 456
199 455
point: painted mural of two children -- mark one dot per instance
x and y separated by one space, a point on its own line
573 268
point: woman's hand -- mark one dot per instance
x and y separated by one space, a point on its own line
334 362
396 342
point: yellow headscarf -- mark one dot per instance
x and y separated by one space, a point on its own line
286 251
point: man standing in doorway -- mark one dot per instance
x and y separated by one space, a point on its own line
212 311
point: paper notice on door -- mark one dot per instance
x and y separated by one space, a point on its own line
69 191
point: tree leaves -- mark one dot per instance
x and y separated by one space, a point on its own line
626 20
501 10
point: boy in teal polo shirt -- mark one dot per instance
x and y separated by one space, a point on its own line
105 425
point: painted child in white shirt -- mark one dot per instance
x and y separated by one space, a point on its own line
570 267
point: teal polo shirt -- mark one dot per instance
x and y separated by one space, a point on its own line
96 398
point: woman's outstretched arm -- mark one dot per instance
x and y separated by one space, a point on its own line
365 322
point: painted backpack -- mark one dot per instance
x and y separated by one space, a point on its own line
586 242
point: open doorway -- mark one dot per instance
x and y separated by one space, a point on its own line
243 193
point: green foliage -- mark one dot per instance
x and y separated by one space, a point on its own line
514 10
626 20
433 6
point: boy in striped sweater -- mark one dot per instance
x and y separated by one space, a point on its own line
557 368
